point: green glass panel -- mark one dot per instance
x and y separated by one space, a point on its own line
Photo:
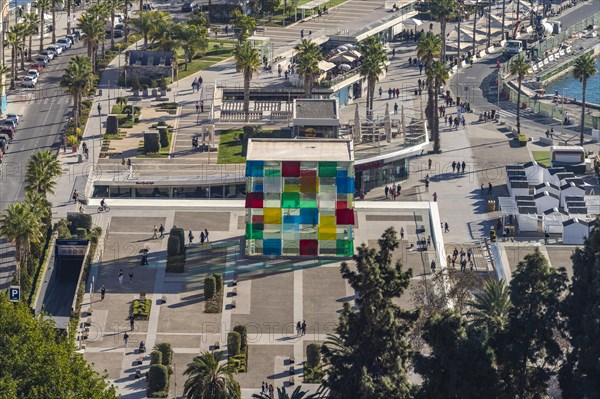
327 169
272 172
344 247
290 200
308 203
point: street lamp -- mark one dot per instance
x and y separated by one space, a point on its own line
562 112
100 131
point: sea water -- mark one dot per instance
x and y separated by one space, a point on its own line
573 87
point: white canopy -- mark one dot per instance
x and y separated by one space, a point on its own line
325 66
413 21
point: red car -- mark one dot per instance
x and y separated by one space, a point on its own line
37 67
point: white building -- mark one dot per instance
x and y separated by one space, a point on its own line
547 187
570 189
534 173
545 200
575 231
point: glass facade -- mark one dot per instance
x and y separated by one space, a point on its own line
299 208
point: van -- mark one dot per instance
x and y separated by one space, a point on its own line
513 47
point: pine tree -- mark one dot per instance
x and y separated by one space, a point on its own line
580 374
528 349
368 355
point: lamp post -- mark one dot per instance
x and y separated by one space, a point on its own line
100 131
562 112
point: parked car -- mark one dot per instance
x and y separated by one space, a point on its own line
7 131
189 7
58 49
10 123
49 54
72 38
41 60
118 33
33 72
65 41
4 139
13 117
29 81
147 7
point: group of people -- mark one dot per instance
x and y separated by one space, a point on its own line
456 122
203 236
158 230
465 257
86 151
392 93
267 389
196 84
392 192
458 166
301 328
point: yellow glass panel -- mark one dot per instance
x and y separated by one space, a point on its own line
327 233
327 221
272 215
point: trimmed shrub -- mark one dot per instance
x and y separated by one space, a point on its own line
209 288
77 221
158 380
140 308
164 137
151 142
167 353
173 246
175 264
177 231
233 343
81 232
156 357
218 281
313 355
240 329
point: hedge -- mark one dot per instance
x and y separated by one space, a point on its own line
233 343
177 231
164 137
173 246
158 381
140 308
313 355
156 357
167 353
209 287
240 329
81 232
176 264
151 142
218 281
77 220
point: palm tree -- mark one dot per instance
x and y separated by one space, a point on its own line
13 39
442 11
23 30
101 12
92 27
77 80
308 55
490 307
39 205
144 25
246 62
585 68
282 394
438 74
162 29
43 169
22 227
372 67
191 39
124 5
33 23
43 6
428 49
519 67
112 7
54 4
207 378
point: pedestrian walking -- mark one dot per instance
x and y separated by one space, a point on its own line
298 328
402 233
435 197
130 275
420 68
380 91
206 234
398 188
102 292
464 165
191 236
426 184
453 166
446 227
155 232
75 196
161 230
429 163
303 327
301 33
395 108
271 391
202 106
387 191
463 265
490 189
126 338
120 277
433 266
202 237
469 254
131 321
482 189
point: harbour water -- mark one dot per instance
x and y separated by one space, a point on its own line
573 89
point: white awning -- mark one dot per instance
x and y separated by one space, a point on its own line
326 66
312 4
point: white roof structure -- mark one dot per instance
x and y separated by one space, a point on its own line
300 150
312 4
325 66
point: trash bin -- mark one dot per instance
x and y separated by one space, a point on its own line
79 158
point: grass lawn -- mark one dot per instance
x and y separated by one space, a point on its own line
277 19
212 56
230 149
542 158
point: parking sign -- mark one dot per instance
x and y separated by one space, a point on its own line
14 293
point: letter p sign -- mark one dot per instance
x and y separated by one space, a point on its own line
14 293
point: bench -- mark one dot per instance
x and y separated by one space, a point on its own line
234 292
234 282
138 361
546 140
233 304
292 359
291 381
163 299
292 371
217 345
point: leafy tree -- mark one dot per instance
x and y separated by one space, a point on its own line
246 62
368 356
244 25
372 67
43 362
585 68
308 55
438 74
519 67
77 80
528 347
191 39
43 168
207 378
460 364
269 6
428 49
442 11
490 307
283 394
579 374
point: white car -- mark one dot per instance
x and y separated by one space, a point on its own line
33 72
13 117
56 48
29 81
49 54
65 41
